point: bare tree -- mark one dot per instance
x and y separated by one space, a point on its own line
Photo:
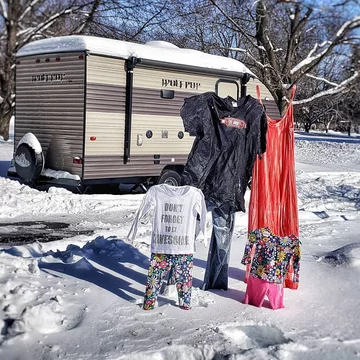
286 42
282 42
22 21
323 113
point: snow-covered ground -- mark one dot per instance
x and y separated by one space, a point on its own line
80 297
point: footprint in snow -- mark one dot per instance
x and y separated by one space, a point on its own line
253 336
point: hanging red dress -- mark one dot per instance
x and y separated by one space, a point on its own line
273 197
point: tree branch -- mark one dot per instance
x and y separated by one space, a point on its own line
44 25
90 18
252 57
32 4
296 27
236 25
3 9
322 79
342 87
145 24
311 60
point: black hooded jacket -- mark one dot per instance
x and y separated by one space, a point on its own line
221 160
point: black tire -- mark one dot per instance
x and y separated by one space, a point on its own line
169 177
28 163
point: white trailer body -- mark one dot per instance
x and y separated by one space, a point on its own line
108 111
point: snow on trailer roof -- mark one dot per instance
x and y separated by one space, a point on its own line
160 51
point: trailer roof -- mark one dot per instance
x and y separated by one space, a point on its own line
159 51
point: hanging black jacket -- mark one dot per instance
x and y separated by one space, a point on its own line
221 160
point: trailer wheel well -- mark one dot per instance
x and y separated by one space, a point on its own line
170 175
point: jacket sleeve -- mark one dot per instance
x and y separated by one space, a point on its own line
199 114
250 247
144 208
256 138
255 144
296 262
201 210
193 112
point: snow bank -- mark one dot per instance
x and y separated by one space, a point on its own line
346 255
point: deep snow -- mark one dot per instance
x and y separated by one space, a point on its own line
80 297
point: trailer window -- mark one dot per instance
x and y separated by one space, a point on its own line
167 94
225 87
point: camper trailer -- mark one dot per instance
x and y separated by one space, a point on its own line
94 111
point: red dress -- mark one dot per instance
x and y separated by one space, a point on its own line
273 197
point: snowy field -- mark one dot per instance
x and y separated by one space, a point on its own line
80 297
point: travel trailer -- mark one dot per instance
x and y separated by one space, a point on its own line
94 111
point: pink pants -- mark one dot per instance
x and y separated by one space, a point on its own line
257 289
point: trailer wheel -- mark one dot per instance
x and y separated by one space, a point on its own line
169 177
28 163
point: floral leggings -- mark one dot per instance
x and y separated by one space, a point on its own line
160 264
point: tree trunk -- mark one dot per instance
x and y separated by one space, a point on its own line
7 76
282 105
5 126
349 128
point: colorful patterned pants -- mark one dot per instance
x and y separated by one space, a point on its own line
160 264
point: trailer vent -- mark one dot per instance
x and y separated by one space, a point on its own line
156 159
